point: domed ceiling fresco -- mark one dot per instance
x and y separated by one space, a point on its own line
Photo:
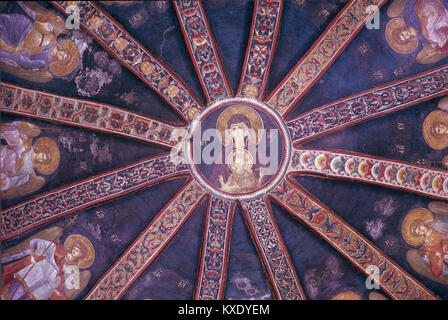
234 149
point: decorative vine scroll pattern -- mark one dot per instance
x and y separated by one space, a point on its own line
148 244
332 42
260 50
202 49
392 279
215 251
44 208
369 104
116 40
395 174
83 113
272 250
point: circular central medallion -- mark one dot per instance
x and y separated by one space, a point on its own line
238 148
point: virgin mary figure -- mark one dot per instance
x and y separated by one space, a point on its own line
239 128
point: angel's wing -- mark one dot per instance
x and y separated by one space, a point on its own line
440 210
396 8
23 127
35 11
48 234
84 278
29 129
416 261
41 75
430 55
32 185
27 7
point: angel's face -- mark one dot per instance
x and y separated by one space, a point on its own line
405 35
440 128
61 55
445 162
421 230
40 157
74 253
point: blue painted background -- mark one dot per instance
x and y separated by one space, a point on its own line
367 62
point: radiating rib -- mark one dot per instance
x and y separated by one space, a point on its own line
322 54
215 250
364 168
84 113
359 251
148 245
46 207
272 250
260 49
202 49
369 104
129 52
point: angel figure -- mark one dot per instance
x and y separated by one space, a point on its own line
41 268
416 21
19 157
29 49
429 230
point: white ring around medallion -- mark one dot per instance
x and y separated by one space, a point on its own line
285 159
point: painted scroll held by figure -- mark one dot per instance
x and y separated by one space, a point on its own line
428 229
19 157
41 268
30 49
419 21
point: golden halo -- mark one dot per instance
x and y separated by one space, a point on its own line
434 140
50 148
254 118
248 159
347 295
416 214
61 69
392 37
376 296
87 260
